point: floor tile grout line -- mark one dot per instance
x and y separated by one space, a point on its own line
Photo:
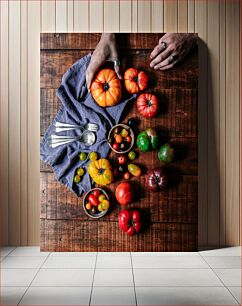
220 279
135 296
118 268
14 248
33 278
90 299
233 295
108 286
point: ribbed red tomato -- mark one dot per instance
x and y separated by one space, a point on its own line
123 193
148 105
130 221
135 80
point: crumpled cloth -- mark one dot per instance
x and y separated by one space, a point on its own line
78 107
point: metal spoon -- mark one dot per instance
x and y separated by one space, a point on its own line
88 138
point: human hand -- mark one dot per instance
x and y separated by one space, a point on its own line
106 50
172 48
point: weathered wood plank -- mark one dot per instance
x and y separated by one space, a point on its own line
185 162
177 116
177 204
76 236
170 216
54 64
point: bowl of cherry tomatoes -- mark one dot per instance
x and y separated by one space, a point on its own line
96 203
121 138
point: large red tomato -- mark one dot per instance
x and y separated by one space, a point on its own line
135 81
148 105
123 193
130 221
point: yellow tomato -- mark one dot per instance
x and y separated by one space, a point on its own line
101 171
93 156
101 198
105 204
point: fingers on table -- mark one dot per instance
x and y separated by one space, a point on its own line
157 50
117 69
160 59
169 66
90 73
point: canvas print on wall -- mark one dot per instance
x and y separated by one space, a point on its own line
119 142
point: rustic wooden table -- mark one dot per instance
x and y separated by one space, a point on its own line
170 216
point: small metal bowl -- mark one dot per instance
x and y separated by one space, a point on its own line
85 201
121 125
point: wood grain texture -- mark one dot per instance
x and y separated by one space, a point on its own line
125 20
198 21
61 16
14 120
33 122
182 17
24 126
75 236
111 16
144 16
171 16
232 123
177 123
96 16
157 16
201 28
81 16
222 128
48 15
4 115
213 123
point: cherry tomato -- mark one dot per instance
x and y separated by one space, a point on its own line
116 146
93 156
132 155
100 207
124 133
122 159
101 198
119 138
77 178
128 139
88 206
105 204
80 171
83 156
93 200
96 193
127 176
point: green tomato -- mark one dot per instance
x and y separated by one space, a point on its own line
148 140
166 153
132 155
80 172
83 156
77 178
93 156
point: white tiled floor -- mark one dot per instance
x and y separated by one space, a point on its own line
29 277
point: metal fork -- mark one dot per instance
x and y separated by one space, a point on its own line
62 127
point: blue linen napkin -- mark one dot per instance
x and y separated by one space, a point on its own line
78 107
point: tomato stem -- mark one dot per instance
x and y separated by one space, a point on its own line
105 86
135 79
101 170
